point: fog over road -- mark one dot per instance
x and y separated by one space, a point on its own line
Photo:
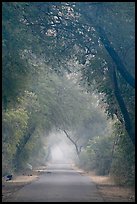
59 183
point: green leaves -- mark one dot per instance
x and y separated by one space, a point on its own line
48 50
15 120
99 150
123 164
14 125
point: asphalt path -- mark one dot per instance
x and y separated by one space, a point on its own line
59 183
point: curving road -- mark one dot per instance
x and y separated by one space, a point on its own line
59 183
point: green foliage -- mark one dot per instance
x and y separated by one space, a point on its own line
14 125
123 164
70 35
85 161
113 154
41 39
15 67
99 153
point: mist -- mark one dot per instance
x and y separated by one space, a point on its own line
61 149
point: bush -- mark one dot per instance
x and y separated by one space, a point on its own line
123 165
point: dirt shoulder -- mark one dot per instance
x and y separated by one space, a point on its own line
19 181
109 191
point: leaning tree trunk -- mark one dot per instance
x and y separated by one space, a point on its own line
126 75
125 114
122 70
115 57
21 146
78 150
113 54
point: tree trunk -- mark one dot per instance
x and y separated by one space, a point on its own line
124 73
115 57
75 144
119 65
22 146
127 120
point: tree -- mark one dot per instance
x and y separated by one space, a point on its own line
93 41
14 125
113 53
77 45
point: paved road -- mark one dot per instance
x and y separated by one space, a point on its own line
59 183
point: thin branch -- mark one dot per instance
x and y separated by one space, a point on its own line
77 150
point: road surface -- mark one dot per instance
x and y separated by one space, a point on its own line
59 183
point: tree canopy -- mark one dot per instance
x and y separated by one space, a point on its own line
66 65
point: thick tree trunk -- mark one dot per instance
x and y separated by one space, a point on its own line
22 146
124 73
127 120
115 57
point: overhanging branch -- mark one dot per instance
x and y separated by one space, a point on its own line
115 57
